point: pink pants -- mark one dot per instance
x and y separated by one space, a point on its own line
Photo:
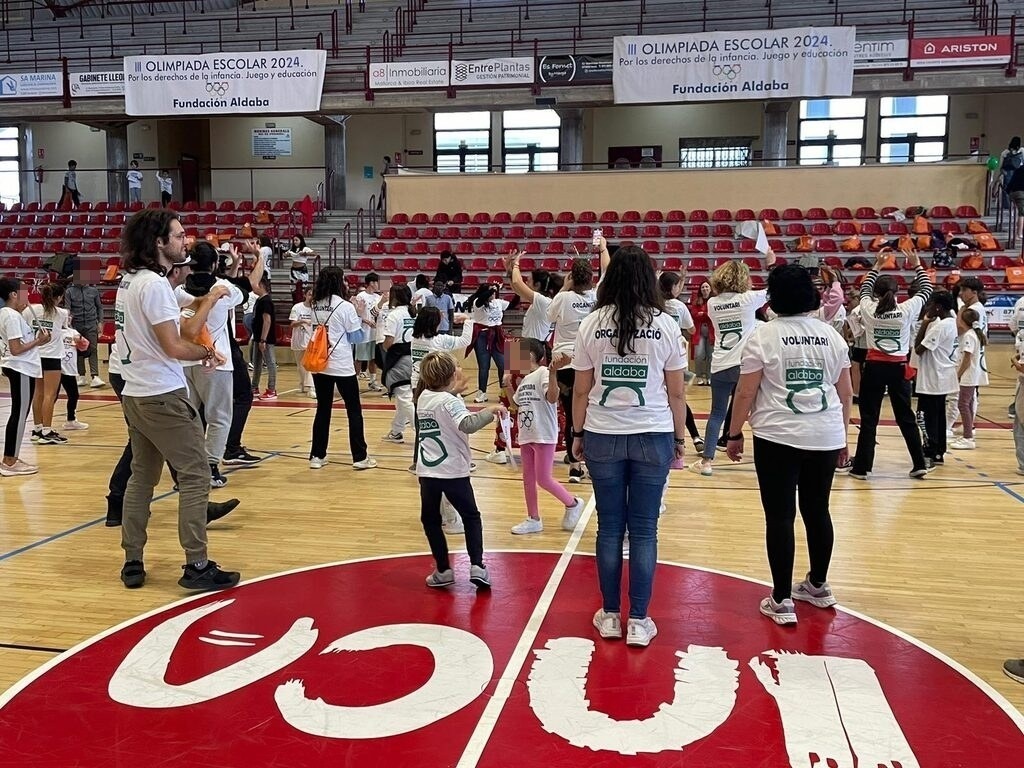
966 402
538 460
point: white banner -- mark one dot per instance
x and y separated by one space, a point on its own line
97 84
225 83
409 74
493 71
803 62
31 85
889 53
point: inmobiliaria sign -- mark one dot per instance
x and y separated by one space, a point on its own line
960 51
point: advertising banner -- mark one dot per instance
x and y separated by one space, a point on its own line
31 85
1001 313
577 68
409 74
493 72
963 51
264 82
97 84
890 53
802 62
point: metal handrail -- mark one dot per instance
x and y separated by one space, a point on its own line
332 252
346 239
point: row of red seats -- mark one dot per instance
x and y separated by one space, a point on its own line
59 233
701 215
36 221
557 247
564 232
100 206
47 246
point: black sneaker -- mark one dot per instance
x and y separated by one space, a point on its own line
208 579
576 474
133 574
938 461
215 510
52 438
241 457
217 480
722 444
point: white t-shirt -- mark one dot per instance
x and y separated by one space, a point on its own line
629 395
568 309
975 375
366 307
535 321
35 315
13 326
442 451
801 359
166 185
538 418
134 178
936 368
733 316
377 332
1018 316
301 334
442 342
341 319
420 297
145 299
681 313
398 325
114 364
69 362
218 322
856 324
891 333
490 314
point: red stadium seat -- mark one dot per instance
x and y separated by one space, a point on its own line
477 265
699 264
399 218
419 219
399 280
532 247
550 265
779 247
281 206
698 246
950 227
481 218
487 248
888 211
700 230
820 229
674 246
473 232
501 217
651 230
651 246
826 245
675 215
398 249
460 218
721 214
409 233
747 246
517 231
967 212
587 217
792 214
565 217
512 245
451 233
866 212
698 214
768 214
544 217
411 265
465 248
499 266
628 230
845 228
560 231
675 230
523 217
870 228
721 261
794 229
420 248
429 233
632 216
654 217
757 282
752 263
897 228
816 214
388 233
721 230
439 248
538 232
437 218
833 261
494 233
941 212
555 248
227 205
745 214
724 246
609 217
585 232
841 213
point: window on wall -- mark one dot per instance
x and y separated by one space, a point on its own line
831 132
716 152
10 166
530 140
913 129
462 142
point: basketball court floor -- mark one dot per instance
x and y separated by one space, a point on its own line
333 652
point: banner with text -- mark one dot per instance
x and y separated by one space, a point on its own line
409 74
885 53
225 83
31 85
97 83
965 51
492 71
575 68
803 62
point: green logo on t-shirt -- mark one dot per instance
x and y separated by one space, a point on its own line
625 373
430 430
805 380
730 333
887 339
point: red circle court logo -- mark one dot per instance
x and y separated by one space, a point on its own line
358 664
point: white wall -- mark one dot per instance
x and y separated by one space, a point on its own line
369 137
61 142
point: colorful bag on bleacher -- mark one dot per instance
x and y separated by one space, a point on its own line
878 243
805 244
921 226
986 242
889 262
852 244
924 242
770 229
976 227
906 243
973 260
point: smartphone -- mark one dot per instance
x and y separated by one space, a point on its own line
598 234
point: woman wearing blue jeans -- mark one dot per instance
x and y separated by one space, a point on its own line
629 400
487 310
732 312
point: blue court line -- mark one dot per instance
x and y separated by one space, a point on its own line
1017 496
83 526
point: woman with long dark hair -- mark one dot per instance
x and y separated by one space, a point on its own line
397 371
888 327
629 405
795 389
487 310
52 317
19 359
343 326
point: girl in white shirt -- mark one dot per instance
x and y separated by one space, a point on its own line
795 389
419 296
537 415
443 461
936 346
487 311
397 371
887 328
343 326
299 256
670 284
19 359
732 311
971 373
73 342
301 320
51 317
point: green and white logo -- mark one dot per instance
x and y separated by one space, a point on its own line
887 339
730 333
430 432
624 373
805 380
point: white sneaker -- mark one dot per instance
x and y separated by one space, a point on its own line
608 625
454 528
529 525
702 468
480 398
819 597
640 632
781 613
949 434
317 463
394 437
497 457
368 463
97 382
312 394
374 386
81 381
572 515
963 444
478 575
71 426
441 578
19 467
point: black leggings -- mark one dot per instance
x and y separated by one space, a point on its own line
242 398
876 379
460 493
348 388
566 378
70 385
933 410
23 387
691 425
783 474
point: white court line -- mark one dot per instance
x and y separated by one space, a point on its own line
489 718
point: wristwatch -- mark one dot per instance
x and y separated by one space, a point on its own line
577 434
